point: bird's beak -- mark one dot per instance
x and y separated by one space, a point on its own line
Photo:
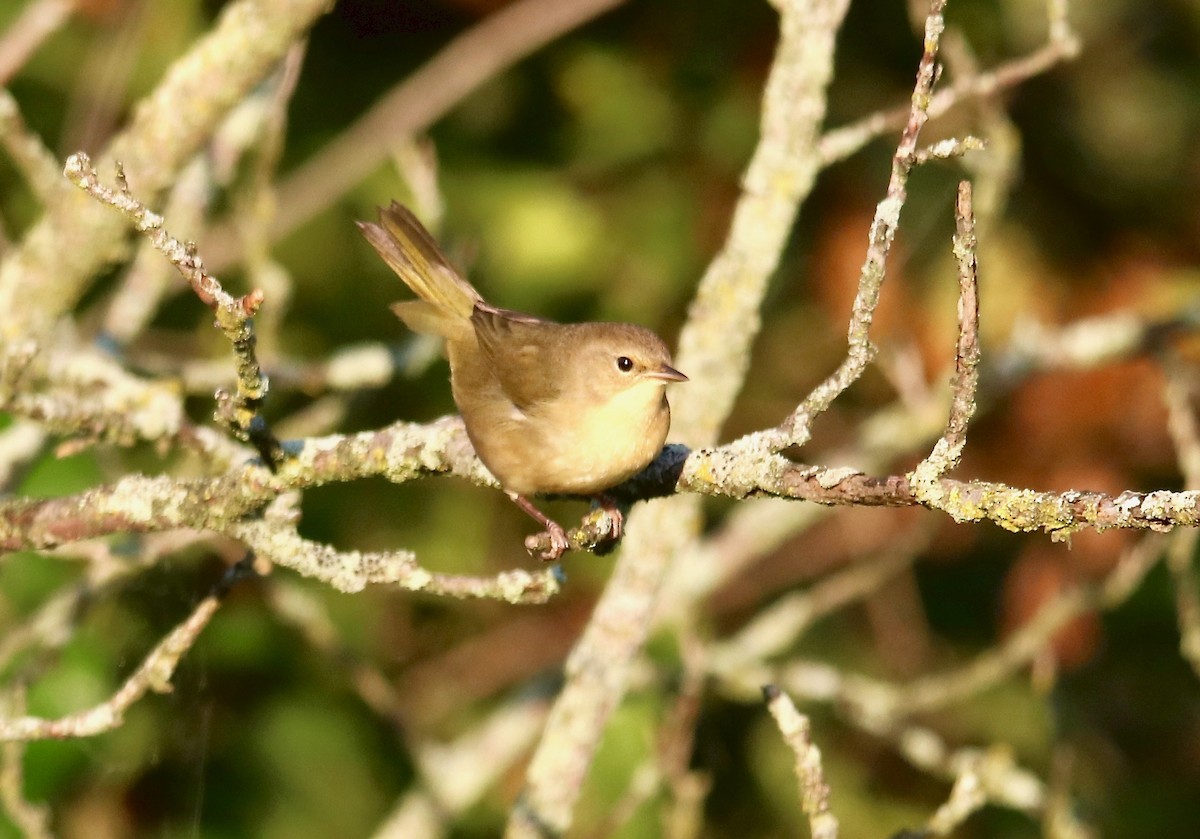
666 373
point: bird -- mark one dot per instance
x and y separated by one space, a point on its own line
550 408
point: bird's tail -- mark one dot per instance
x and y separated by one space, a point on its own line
447 300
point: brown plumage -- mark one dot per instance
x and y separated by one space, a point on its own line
550 407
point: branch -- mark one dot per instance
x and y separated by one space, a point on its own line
1062 45
154 674
879 706
234 315
797 428
714 347
402 452
814 792
948 450
60 256
352 571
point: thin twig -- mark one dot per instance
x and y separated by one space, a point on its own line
797 428
814 792
149 280
948 450
154 674
33 820
63 253
778 626
880 706
1063 45
234 315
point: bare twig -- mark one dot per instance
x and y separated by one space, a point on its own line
1063 45
780 625
984 776
149 279
814 792
234 316
33 820
457 774
797 428
880 706
948 450
154 674
45 276
979 777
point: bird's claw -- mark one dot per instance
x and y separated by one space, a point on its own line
616 523
614 518
600 531
558 543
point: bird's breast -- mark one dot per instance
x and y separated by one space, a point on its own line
568 448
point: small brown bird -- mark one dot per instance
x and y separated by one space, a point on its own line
557 408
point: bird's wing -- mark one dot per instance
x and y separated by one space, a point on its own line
519 353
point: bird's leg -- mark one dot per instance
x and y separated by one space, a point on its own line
615 517
558 536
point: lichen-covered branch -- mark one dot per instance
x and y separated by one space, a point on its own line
714 347
797 428
1062 45
154 674
45 276
948 450
234 315
814 792
354 570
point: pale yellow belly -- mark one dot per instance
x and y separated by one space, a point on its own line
570 451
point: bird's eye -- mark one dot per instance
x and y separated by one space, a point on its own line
624 363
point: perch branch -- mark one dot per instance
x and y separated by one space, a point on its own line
714 348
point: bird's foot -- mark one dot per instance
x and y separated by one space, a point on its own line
548 545
616 518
